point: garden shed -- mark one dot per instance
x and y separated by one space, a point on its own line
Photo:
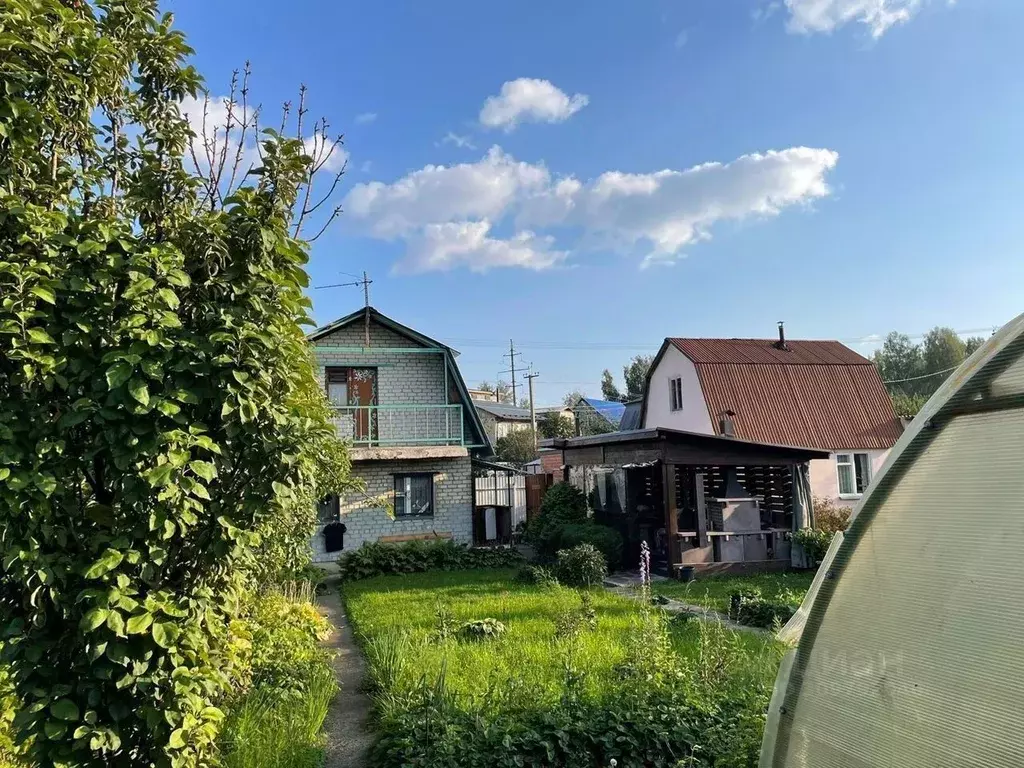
707 501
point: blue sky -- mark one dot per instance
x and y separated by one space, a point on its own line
869 175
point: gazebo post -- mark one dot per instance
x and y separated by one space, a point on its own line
670 505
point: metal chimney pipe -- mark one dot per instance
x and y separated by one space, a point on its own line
781 344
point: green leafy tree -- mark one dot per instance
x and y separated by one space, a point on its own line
518 447
572 398
556 425
971 343
942 350
635 375
609 391
162 436
899 360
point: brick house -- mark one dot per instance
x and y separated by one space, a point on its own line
402 404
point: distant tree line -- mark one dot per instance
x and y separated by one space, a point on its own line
913 372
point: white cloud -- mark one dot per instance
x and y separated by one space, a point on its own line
441 247
446 215
366 166
666 211
682 39
317 147
462 142
808 16
764 12
365 117
485 189
214 124
529 100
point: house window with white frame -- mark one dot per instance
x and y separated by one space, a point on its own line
675 394
414 495
854 472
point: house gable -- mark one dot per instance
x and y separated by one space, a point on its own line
818 394
420 370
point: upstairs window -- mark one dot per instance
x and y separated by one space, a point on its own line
675 394
854 470
414 495
337 386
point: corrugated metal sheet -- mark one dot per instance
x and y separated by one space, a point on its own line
631 417
503 411
819 406
764 352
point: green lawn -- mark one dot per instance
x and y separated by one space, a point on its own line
396 617
714 591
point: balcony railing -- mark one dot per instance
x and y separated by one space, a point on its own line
389 425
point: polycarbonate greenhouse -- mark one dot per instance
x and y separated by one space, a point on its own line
911 640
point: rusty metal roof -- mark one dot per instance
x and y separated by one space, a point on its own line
819 394
765 352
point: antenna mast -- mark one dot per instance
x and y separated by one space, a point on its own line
365 282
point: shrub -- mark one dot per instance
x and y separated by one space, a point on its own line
162 432
481 629
278 721
286 631
376 558
603 538
563 504
581 566
829 519
536 575
751 608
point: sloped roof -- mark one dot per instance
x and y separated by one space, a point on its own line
766 352
818 394
610 409
631 416
503 411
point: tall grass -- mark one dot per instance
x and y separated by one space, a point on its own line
278 723
270 730
569 670
396 619
714 592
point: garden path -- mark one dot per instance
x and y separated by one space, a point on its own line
628 586
346 727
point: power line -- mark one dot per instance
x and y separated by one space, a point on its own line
923 376
560 344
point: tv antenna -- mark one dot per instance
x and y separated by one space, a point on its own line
365 282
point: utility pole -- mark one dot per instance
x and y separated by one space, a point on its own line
533 410
512 355
365 282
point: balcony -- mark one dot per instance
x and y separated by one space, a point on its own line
370 426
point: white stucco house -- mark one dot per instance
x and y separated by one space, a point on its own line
401 403
814 394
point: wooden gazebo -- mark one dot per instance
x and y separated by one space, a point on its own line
700 500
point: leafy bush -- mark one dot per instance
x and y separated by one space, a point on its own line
277 722
537 575
563 523
562 504
162 432
481 629
581 566
286 631
751 608
376 558
829 519
603 538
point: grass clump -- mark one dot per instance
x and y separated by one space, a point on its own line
276 721
715 592
578 678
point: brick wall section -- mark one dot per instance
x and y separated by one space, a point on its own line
401 378
365 521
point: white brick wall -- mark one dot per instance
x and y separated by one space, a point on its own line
402 377
365 521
